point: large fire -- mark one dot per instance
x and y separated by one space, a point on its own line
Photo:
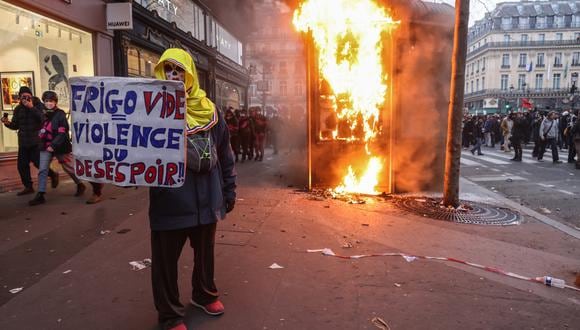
347 35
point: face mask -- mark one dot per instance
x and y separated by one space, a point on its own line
50 105
174 72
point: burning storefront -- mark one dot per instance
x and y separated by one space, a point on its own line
378 77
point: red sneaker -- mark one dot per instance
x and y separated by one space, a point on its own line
215 308
180 326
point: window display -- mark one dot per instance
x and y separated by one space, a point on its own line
41 53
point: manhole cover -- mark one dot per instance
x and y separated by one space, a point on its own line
469 212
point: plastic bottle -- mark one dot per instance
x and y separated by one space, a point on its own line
551 281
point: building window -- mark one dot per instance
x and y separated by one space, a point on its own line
539 81
540 60
556 84
477 70
559 21
297 89
523 60
559 36
472 86
524 38
283 67
506 38
472 67
558 60
505 61
283 88
542 38
524 23
521 81
477 84
541 22
482 82
483 64
576 59
467 87
504 82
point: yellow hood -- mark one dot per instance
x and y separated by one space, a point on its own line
201 112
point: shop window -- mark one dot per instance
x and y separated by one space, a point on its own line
141 63
42 52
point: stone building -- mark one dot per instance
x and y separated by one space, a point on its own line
524 50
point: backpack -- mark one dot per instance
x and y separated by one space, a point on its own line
202 154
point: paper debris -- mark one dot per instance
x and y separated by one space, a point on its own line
326 252
275 266
380 323
398 285
410 258
105 232
67 271
545 210
347 245
139 265
16 290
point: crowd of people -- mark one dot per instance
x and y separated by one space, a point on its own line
250 132
43 134
559 131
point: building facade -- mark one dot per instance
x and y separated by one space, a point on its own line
276 58
524 50
187 24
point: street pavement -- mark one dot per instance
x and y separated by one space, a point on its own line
550 189
72 261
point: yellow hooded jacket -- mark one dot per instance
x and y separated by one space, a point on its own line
201 112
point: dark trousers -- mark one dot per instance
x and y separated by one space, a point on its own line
235 143
553 145
97 188
27 155
246 142
517 144
166 248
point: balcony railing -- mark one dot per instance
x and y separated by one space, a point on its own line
510 26
523 44
532 92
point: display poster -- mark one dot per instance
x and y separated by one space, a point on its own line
128 131
11 83
54 74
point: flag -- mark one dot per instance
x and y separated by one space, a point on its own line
527 104
530 66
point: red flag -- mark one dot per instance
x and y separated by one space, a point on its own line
527 104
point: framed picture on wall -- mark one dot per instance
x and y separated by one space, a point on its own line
11 83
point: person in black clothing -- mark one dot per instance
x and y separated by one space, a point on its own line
467 135
234 128
478 133
537 122
27 120
518 136
246 134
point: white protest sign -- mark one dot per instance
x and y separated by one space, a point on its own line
128 131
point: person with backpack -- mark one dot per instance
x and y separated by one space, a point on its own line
549 134
54 142
192 210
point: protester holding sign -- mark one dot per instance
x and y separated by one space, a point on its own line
192 210
54 141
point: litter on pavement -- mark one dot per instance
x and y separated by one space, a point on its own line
275 266
380 323
139 265
16 290
547 280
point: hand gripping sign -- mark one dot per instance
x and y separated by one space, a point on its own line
129 131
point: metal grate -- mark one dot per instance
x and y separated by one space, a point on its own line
468 212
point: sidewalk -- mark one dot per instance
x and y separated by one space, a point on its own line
274 224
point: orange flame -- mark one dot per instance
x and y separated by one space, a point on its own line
347 34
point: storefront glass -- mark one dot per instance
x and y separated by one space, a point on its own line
141 63
41 53
229 95
184 13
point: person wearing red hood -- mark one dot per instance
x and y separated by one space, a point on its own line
192 210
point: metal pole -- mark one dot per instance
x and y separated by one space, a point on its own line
453 151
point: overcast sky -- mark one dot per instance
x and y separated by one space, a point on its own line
477 7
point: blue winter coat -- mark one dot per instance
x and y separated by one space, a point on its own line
201 199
